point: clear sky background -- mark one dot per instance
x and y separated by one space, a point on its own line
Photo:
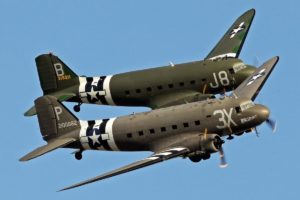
106 37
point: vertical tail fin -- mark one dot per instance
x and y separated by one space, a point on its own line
59 127
54 118
54 74
232 42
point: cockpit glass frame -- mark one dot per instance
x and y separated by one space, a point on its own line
246 105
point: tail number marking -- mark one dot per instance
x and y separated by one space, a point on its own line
225 118
58 111
60 72
220 79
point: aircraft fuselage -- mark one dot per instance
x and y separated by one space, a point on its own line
163 86
182 125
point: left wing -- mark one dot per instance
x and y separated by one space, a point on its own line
153 159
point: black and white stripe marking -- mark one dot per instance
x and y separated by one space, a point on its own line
95 90
98 135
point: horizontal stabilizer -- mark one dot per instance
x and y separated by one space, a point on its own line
52 145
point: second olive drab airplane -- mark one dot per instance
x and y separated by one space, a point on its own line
157 87
191 130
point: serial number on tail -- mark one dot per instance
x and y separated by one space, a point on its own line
67 124
64 77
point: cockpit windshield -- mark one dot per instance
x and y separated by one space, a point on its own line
246 105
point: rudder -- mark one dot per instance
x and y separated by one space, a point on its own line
54 118
54 74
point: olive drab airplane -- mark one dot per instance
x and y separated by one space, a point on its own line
168 132
220 71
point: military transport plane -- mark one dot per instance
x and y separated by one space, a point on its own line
220 71
191 130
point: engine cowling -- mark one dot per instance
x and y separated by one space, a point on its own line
210 143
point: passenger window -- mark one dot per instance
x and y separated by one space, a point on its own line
192 82
149 89
204 80
127 92
170 85
138 90
185 125
152 131
197 123
129 135
163 129
141 133
208 116
159 87
174 126
181 84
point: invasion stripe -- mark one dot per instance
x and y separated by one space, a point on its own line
102 131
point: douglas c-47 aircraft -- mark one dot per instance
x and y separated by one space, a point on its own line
191 130
160 87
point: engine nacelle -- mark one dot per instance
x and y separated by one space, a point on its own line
210 143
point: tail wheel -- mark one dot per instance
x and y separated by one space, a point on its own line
76 108
78 155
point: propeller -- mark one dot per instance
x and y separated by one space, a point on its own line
218 143
223 162
256 61
256 132
272 124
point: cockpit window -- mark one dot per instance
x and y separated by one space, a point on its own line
238 66
246 105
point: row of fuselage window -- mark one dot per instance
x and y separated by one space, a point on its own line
160 87
162 129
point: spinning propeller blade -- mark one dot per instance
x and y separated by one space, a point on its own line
223 162
272 124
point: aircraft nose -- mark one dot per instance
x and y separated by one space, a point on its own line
249 70
263 112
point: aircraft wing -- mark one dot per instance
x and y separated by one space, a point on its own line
153 159
232 42
250 87
177 98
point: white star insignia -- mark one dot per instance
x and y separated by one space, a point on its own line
93 94
94 138
236 30
256 76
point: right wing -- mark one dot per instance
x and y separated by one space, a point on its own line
232 42
153 159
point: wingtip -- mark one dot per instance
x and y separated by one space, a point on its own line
251 11
67 188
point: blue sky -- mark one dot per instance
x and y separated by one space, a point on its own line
106 37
